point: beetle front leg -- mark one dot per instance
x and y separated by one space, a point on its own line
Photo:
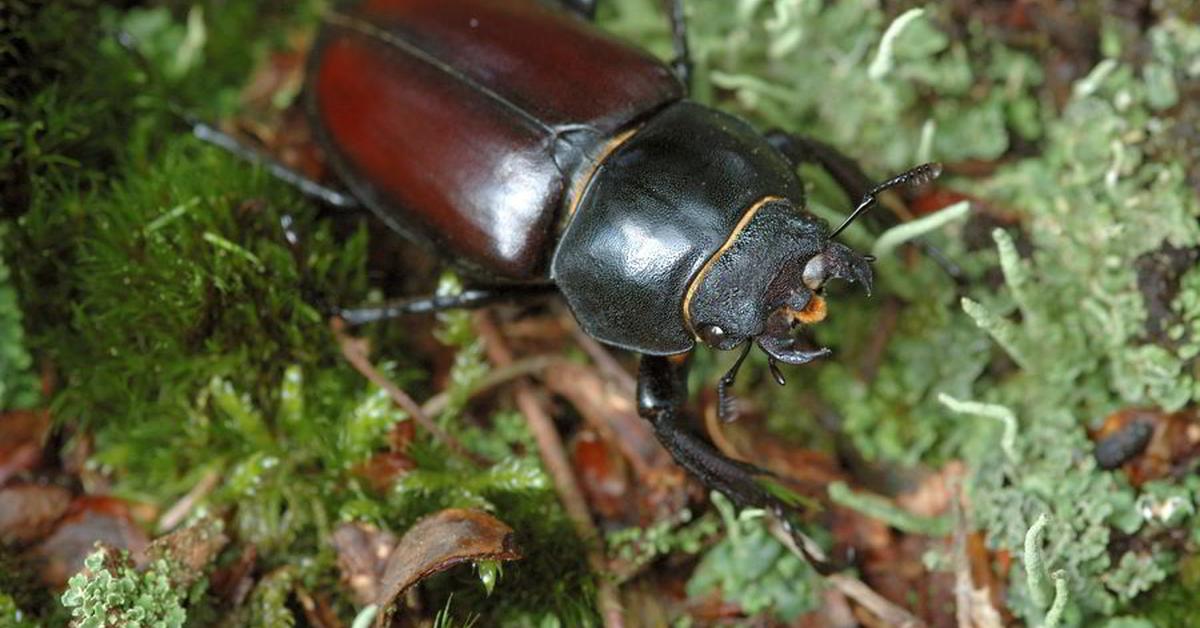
661 393
801 150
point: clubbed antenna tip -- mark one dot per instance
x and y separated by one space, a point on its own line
914 177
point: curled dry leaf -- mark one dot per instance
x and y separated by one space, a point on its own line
438 542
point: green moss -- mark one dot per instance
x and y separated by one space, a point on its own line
11 616
18 387
1174 603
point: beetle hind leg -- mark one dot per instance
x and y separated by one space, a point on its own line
682 63
662 387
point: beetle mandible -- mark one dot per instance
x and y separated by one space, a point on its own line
541 154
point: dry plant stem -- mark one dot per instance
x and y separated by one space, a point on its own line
357 354
973 607
610 413
857 590
179 511
604 360
555 458
717 435
881 607
528 366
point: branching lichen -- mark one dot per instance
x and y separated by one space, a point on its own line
110 592
753 569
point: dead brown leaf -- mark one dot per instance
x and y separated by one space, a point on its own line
362 554
602 475
438 542
233 582
29 511
382 469
91 519
21 448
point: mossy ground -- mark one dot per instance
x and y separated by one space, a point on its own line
149 272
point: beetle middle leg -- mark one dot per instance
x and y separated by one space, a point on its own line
332 197
470 298
661 393
210 134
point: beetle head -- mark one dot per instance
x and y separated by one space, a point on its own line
768 282
796 253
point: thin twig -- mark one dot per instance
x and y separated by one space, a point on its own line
357 354
179 511
554 457
434 405
973 606
717 435
857 590
603 359
611 414
881 607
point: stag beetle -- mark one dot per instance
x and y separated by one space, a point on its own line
540 154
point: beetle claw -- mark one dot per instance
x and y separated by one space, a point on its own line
775 372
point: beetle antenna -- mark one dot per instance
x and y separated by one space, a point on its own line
920 175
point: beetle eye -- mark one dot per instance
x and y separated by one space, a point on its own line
814 272
712 334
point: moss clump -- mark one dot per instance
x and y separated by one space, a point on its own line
18 387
